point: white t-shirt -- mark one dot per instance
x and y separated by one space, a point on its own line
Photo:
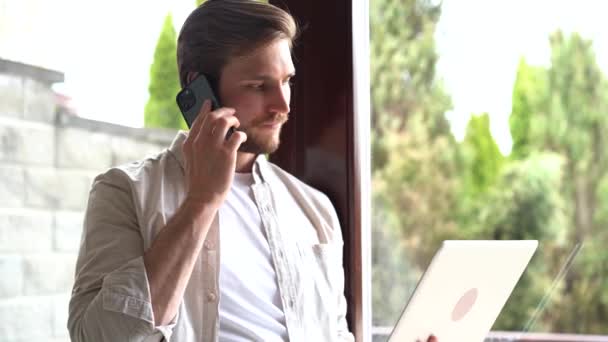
250 303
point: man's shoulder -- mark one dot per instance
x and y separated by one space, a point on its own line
143 171
305 193
314 202
287 177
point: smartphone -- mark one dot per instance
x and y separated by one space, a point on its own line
191 99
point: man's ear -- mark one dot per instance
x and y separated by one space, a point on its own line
190 76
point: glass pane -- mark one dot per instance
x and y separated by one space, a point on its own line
489 121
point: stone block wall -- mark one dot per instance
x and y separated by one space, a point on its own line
48 160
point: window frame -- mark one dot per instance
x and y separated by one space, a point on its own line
326 143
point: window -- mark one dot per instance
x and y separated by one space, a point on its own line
487 123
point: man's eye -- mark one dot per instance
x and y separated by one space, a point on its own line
256 86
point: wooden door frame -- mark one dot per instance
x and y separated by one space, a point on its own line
326 142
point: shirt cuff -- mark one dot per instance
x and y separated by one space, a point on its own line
126 290
167 330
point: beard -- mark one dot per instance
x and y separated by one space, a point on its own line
260 140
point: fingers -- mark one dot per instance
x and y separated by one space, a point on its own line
236 139
210 129
213 123
197 124
431 338
221 127
200 118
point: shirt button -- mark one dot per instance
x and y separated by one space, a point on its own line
208 245
211 297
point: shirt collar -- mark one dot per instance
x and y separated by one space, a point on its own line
176 147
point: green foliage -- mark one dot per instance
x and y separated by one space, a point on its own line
480 154
427 188
417 187
577 103
161 109
525 203
563 109
521 199
480 162
601 213
391 266
583 304
413 152
413 194
403 60
529 96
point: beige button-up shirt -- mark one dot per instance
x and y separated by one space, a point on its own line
129 205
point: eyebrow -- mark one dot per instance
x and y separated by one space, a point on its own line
267 77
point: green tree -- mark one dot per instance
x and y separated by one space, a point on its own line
529 96
480 163
391 266
161 109
413 150
564 111
524 203
578 107
504 200
481 154
403 65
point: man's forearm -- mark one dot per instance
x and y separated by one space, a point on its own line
171 258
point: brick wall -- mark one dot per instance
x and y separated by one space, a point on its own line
48 160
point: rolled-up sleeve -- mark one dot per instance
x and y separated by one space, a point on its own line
111 295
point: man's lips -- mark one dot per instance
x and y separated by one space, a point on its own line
274 122
271 124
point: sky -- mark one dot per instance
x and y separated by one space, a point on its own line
480 43
105 49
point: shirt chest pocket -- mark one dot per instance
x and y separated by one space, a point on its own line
323 263
320 288
327 261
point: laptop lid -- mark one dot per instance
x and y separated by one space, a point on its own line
463 290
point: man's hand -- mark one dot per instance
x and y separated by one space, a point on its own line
210 164
211 159
431 338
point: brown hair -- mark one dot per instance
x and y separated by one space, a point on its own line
222 29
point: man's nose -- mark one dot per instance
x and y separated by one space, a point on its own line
279 101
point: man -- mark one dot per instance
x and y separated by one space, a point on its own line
208 240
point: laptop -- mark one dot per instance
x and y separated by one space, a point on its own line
463 290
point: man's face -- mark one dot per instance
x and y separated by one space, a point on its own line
257 87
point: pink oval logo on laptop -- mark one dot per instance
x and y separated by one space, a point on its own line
464 305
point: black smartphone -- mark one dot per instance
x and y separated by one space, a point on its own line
191 99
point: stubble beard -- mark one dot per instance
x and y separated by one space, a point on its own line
260 143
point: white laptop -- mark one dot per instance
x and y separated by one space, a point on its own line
463 290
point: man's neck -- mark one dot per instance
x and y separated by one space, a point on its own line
244 162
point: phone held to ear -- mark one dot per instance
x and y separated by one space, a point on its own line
191 99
